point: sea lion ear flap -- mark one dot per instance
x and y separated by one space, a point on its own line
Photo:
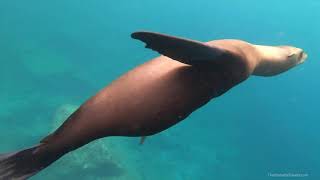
180 49
291 54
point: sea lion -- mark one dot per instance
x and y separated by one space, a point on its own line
155 95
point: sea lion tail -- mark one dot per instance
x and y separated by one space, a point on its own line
23 164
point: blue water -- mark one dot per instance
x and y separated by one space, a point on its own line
56 54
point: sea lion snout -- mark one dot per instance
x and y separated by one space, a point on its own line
299 55
303 56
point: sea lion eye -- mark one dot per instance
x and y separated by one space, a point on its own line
301 54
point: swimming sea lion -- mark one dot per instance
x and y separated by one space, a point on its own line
155 95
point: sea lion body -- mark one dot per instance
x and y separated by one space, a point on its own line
151 98
155 95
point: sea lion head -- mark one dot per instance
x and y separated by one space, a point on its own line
295 55
274 60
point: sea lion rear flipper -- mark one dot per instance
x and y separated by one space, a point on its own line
23 164
180 49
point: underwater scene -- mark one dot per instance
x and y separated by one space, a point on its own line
55 55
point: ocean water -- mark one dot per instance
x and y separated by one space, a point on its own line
56 54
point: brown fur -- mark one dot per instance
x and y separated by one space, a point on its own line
154 97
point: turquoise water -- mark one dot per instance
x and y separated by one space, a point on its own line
56 54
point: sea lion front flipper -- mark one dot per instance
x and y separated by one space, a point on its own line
142 139
180 49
